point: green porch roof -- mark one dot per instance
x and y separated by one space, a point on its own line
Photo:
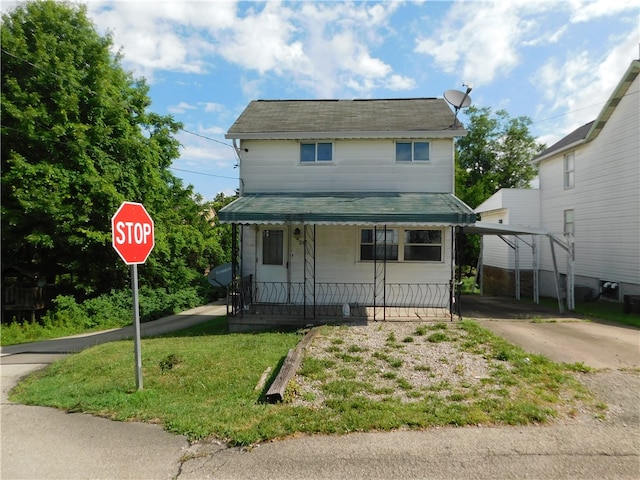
356 208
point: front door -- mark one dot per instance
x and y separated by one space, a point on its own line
273 265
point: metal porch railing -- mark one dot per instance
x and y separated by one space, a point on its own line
334 299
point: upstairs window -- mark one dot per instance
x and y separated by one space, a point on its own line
316 152
569 170
412 151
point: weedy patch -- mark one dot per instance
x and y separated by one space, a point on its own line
460 373
438 337
169 362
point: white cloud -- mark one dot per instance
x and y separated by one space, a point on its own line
182 107
586 10
211 130
579 85
318 46
478 41
210 107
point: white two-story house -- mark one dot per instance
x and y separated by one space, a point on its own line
589 199
346 207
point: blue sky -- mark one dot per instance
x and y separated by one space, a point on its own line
556 62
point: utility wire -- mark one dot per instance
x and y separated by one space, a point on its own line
207 138
202 173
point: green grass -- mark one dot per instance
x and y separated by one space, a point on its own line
201 383
600 310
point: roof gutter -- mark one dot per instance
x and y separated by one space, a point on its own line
449 133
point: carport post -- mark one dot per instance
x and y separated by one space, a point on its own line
557 275
517 265
534 254
571 301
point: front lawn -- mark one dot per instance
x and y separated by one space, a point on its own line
202 383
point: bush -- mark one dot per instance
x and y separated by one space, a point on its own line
111 310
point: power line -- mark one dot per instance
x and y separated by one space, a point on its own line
207 138
202 173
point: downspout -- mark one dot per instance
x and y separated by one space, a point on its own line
237 151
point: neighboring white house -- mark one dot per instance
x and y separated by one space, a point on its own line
346 207
590 196
502 255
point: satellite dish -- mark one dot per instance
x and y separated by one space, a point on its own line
458 100
220 276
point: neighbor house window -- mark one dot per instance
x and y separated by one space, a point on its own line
569 223
316 152
379 244
272 247
412 151
569 170
403 245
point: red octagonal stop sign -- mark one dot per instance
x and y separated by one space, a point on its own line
132 229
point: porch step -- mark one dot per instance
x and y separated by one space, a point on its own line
260 323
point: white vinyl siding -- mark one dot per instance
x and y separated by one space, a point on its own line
357 165
509 206
605 199
337 252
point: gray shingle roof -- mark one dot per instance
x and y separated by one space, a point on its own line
279 117
579 133
358 208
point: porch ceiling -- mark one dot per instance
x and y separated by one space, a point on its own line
357 208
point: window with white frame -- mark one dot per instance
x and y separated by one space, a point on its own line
311 152
273 247
423 245
412 151
569 170
569 223
401 245
379 244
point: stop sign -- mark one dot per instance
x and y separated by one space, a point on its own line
132 229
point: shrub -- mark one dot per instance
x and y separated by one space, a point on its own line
111 310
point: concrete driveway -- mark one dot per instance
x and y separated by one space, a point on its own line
567 338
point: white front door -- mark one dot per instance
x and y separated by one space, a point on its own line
273 264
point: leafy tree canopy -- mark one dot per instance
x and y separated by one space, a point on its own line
78 140
495 154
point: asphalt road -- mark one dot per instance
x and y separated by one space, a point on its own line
44 443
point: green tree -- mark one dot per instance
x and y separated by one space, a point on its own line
77 140
495 154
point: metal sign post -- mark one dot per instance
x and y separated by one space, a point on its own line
133 239
136 319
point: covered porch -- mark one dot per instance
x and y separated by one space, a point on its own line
304 259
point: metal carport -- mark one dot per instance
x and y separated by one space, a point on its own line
518 231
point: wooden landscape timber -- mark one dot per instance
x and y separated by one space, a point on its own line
290 366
